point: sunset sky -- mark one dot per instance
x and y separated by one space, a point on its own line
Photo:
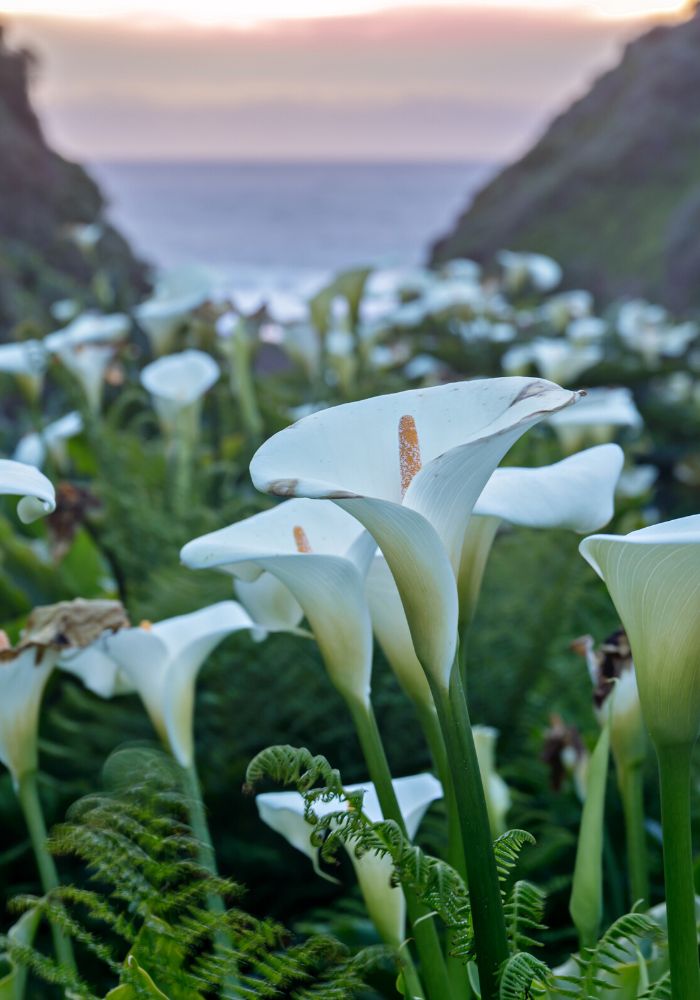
309 79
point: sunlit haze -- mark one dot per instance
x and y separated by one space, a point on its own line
234 12
315 79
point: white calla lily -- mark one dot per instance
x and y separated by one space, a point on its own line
24 357
586 330
270 603
176 384
576 493
597 418
162 317
162 662
23 678
496 790
98 671
523 269
33 448
36 491
653 576
89 364
284 813
88 328
320 555
392 633
410 467
562 360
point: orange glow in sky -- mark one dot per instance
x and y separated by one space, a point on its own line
251 12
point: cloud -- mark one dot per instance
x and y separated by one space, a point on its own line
401 84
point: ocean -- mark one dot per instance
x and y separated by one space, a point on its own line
286 226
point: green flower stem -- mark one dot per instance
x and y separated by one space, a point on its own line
243 384
198 822
456 969
207 858
28 795
433 969
410 975
674 773
484 889
631 781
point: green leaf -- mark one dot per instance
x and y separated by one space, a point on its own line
22 932
586 904
128 992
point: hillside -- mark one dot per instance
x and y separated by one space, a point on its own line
43 197
612 190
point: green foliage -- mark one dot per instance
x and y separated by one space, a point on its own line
523 978
617 947
437 884
142 915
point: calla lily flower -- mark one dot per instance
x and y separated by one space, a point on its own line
637 481
597 418
653 576
37 493
393 635
23 679
33 448
523 269
563 361
25 671
270 604
586 330
25 357
162 662
320 555
161 318
410 467
566 307
517 359
98 671
284 813
616 696
576 494
495 788
177 383
89 328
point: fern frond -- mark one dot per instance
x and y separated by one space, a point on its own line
524 977
507 850
524 911
288 765
616 947
661 990
147 900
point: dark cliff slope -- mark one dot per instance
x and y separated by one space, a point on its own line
41 197
612 190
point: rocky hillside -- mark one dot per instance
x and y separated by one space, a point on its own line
612 190
45 204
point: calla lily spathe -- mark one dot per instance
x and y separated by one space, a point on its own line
162 317
321 555
495 789
653 576
410 467
177 383
616 696
575 494
86 347
24 357
23 679
597 418
36 491
284 813
162 662
33 448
